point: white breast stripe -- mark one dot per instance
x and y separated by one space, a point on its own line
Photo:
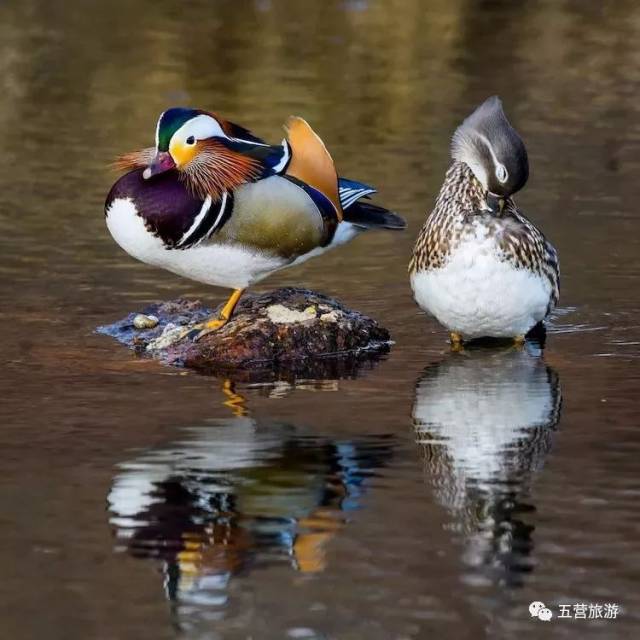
206 205
286 156
223 204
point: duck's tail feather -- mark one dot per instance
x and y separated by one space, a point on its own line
370 216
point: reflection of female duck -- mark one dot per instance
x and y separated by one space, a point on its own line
234 496
485 421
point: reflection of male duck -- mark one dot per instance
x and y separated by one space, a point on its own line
485 420
236 496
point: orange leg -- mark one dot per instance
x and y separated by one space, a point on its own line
213 324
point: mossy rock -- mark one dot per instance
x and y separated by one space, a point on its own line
283 333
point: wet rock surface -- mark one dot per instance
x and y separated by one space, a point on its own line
282 334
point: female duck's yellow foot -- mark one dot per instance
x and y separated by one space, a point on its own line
456 341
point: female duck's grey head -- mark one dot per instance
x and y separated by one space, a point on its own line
492 149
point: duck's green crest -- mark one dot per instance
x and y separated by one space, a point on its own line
170 121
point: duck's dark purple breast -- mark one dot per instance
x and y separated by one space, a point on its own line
163 202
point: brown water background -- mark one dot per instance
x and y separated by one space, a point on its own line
434 495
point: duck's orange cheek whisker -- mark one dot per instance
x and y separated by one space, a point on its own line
134 159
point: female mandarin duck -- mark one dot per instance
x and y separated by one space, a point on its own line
216 204
479 265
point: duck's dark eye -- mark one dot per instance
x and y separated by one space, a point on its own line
191 140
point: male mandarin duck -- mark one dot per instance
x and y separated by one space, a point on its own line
479 265
213 203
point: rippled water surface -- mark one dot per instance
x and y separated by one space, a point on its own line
435 494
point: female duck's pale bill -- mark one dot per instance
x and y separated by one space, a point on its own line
479 266
214 203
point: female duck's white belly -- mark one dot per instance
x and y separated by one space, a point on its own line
221 265
476 294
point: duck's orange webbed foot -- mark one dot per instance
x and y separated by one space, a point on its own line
214 324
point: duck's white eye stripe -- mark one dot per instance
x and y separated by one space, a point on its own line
501 173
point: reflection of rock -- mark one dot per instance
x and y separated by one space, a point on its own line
288 330
235 497
484 419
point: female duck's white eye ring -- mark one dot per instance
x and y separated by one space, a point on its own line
501 173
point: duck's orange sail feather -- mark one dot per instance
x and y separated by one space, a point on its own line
311 162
